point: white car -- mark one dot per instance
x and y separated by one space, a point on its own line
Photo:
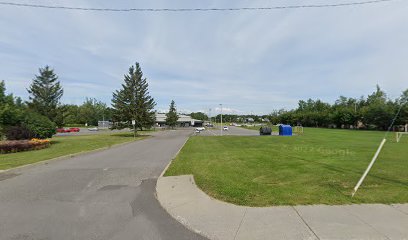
225 128
93 129
200 129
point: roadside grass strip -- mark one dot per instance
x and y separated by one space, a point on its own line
63 146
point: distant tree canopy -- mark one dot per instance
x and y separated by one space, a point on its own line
133 101
374 112
199 116
172 116
89 112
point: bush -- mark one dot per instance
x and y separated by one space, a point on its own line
23 145
39 125
18 133
33 125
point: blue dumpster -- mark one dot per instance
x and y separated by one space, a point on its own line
285 130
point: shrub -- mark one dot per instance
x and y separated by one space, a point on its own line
18 133
39 125
33 125
23 145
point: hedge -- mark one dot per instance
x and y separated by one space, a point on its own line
23 145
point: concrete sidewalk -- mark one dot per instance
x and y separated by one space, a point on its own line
214 219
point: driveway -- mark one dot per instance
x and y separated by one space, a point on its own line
102 195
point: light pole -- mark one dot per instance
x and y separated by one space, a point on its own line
221 119
209 115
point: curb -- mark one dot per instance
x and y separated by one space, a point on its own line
181 220
175 155
178 219
44 162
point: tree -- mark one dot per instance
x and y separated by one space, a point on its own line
172 116
11 110
345 112
68 114
378 110
199 116
45 93
92 111
403 102
133 102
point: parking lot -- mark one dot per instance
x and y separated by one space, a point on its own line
236 131
85 131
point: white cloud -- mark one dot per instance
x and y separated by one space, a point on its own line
249 61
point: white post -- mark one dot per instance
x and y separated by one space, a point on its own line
134 128
369 167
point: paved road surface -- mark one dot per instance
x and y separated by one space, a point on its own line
237 131
85 131
101 195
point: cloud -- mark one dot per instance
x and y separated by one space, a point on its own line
248 61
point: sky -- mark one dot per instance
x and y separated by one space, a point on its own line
248 61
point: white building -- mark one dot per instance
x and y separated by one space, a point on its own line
183 121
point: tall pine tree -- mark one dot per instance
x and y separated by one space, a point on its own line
172 116
45 92
133 102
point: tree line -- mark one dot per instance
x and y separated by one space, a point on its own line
132 106
376 111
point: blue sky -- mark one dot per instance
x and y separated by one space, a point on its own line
250 61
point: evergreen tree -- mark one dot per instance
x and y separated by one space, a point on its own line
45 93
133 102
172 116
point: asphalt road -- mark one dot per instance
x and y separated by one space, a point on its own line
235 131
103 195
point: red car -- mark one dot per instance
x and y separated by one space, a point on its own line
67 130
62 130
74 129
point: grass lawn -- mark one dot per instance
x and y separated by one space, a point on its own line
320 167
61 146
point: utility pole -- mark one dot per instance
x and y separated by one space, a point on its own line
209 115
221 119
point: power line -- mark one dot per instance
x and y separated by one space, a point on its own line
194 9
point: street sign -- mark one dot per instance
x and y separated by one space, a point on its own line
133 122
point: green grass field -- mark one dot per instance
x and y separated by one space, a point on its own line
61 146
320 167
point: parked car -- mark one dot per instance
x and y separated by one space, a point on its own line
74 129
225 128
200 129
63 130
